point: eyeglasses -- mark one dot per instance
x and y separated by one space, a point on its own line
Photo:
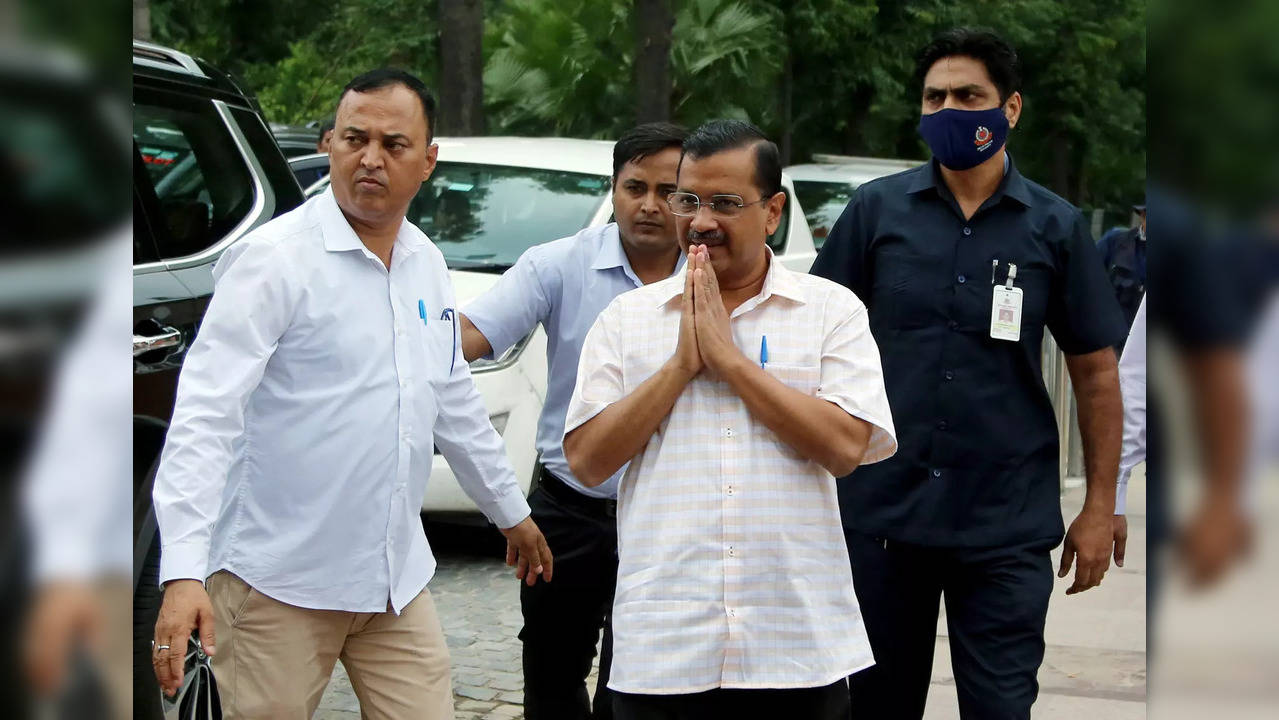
687 204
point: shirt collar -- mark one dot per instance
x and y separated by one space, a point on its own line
339 236
778 281
1013 185
611 254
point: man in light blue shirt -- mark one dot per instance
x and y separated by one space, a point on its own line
564 285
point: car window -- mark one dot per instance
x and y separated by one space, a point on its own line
293 149
307 176
823 203
777 241
201 183
486 216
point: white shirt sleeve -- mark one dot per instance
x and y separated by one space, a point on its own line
512 307
252 306
1132 385
465 436
852 378
599 371
76 487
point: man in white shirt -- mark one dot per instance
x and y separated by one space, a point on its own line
294 470
737 390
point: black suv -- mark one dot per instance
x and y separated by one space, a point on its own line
206 171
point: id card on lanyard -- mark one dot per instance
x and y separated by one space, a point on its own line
1005 309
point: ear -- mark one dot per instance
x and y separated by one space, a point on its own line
432 154
1012 109
774 207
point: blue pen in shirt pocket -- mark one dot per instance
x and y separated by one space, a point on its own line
450 315
763 351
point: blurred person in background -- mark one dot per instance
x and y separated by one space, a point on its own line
326 135
325 370
963 264
64 406
1123 252
77 501
1208 316
563 286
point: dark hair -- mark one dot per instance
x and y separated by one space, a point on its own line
386 77
643 140
716 136
1000 59
326 126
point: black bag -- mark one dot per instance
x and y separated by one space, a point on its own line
197 699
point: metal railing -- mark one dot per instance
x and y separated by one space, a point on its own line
1057 380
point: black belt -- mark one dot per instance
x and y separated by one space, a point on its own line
567 494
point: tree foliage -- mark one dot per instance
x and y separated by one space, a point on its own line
820 75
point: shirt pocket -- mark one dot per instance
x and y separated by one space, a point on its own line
1036 283
804 378
906 289
437 344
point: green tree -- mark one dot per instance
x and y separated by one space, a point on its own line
296 56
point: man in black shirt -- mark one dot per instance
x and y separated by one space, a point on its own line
962 263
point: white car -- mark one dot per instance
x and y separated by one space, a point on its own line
489 200
825 187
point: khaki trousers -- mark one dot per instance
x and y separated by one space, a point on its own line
274 660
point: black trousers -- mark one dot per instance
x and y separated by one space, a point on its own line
819 703
996 604
563 618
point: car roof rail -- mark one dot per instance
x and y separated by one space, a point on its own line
165 58
830 159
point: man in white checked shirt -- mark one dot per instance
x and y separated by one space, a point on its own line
737 390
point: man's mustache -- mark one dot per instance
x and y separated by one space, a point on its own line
696 236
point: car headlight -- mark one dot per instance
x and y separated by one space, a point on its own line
502 361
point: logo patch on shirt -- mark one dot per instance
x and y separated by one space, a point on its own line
982 138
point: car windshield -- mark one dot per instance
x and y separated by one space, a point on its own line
483 217
823 202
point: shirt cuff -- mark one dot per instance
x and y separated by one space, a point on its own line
882 443
498 339
506 511
582 413
1121 497
184 561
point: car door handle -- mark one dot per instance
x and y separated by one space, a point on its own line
169 337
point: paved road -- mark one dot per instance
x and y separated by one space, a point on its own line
478 600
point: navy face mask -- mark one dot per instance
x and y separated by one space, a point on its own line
963 139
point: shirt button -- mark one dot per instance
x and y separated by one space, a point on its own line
953 325
730 551
941 425
968 231
950 375
729 490
728 432
962 279
937 473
